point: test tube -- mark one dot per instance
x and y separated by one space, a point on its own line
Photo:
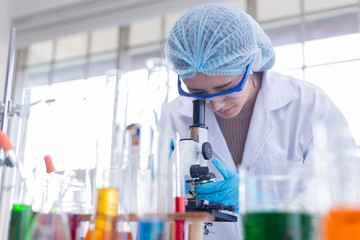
179 200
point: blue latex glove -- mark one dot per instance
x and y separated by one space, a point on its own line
172 146
225 192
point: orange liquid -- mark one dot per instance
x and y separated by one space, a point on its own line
341 224
101 235
124 236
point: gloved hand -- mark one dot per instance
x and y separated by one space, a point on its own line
225 192
172 146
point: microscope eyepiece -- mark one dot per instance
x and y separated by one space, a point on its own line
198 112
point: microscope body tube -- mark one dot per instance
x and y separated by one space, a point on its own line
198 131
200 136
188 155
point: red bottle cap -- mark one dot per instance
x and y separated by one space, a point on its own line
49 164
5 142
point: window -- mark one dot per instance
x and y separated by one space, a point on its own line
312 42
333 65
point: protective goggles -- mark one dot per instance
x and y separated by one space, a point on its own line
232 93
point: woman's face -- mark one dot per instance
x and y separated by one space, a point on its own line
204 84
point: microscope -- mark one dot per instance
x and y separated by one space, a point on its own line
194 152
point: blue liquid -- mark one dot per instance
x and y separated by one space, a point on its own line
151 229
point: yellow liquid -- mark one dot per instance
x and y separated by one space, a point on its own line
106 215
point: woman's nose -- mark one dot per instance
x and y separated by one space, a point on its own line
216 105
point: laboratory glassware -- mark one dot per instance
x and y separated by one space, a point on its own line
50 222
103 226
74 207
155 138
110 160
179 195
128 200
21 212
338 195
277 200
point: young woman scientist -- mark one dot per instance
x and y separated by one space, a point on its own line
222 55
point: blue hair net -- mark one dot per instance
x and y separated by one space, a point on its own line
218 40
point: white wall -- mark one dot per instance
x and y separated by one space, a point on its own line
4 42
25 8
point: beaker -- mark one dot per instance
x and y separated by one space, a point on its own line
339 198
51 222
337 167
276 199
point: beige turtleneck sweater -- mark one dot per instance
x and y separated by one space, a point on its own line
235 130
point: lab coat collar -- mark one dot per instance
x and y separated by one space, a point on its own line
275 92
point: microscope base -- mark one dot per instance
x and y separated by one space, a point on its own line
198 205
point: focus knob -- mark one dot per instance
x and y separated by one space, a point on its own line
206 150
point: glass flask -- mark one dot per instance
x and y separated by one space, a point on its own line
277 200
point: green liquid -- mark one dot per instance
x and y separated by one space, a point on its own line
278 226
21 216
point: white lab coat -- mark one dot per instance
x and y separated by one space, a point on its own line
282 125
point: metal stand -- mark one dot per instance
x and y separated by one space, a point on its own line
6 175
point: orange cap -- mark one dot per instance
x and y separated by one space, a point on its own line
49 164
5 142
